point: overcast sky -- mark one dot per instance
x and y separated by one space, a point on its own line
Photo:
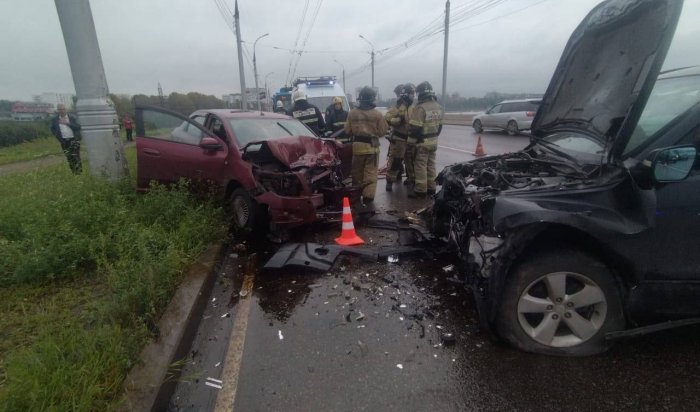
187 45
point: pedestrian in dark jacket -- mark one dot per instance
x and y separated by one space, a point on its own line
67 130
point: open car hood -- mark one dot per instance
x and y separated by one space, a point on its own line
607 71
297 151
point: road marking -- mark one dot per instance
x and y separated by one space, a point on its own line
456 150
234 354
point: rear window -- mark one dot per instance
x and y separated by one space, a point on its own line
528 106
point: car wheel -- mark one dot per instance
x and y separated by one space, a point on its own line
512 128
244 210
560 303
477 126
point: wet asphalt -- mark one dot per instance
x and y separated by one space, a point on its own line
381 336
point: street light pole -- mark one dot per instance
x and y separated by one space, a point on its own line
267 92
255 71
341 65
372 45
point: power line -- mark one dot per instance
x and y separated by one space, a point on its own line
306 38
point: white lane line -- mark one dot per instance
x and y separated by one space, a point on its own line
234 354
213 385
456 150
215 380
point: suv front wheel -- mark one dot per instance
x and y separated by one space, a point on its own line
562 302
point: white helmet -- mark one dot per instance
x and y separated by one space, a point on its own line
298 95
280 104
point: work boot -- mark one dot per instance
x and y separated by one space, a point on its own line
389 187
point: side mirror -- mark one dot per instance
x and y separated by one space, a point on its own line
673 164
209 143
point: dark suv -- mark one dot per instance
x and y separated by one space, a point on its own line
594 228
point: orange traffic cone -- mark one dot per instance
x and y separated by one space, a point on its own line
479 148
348 237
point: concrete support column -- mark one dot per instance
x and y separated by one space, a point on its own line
96 113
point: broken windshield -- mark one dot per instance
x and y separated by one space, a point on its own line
254 130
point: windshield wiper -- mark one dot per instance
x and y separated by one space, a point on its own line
552 147
285 129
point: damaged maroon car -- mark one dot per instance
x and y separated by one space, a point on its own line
270 168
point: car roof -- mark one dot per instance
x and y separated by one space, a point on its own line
520 101
240 114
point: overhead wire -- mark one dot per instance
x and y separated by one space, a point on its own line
296 40
306 38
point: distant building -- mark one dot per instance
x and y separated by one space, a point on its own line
27 112
233 100
55 99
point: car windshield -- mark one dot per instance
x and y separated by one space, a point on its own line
669 99
584 149
254 130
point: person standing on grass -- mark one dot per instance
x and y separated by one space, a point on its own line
67 130
128 126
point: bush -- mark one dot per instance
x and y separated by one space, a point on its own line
12 133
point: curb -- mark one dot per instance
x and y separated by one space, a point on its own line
149 384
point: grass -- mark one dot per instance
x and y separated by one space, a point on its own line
86 268
34 149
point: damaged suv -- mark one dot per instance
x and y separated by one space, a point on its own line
594 228
269 167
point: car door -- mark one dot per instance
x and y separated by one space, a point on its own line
168 149
491 115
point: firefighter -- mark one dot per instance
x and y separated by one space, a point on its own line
410 142
398 118
307 113
366 126
335 118
279 107
425 127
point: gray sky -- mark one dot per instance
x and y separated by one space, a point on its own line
187 45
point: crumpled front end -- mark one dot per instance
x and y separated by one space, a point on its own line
466 211
297 179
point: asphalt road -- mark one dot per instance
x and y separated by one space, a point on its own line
376 336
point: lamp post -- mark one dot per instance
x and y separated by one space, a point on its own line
267 92
341 65
372 45
255 70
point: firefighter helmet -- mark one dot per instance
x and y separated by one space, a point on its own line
398 90
298 95
367 94
425 90
410 88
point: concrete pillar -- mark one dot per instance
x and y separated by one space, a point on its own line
96 113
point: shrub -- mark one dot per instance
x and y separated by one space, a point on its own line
12 133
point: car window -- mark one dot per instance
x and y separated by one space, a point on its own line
216 126
165 126
495 109
249 130
669 99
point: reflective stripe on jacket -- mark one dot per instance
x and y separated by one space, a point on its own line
426 120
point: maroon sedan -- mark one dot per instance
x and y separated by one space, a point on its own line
270 168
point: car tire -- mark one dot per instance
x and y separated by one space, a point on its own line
244 210
477 126
512 128
562 303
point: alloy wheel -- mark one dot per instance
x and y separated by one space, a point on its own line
562 309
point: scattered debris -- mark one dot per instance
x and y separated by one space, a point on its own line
363 347
448 339
279 332
448 268
217 364
392 259
360 317
400 366
226 315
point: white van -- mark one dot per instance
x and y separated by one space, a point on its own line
320 91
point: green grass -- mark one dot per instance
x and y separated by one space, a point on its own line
86 268
34 149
